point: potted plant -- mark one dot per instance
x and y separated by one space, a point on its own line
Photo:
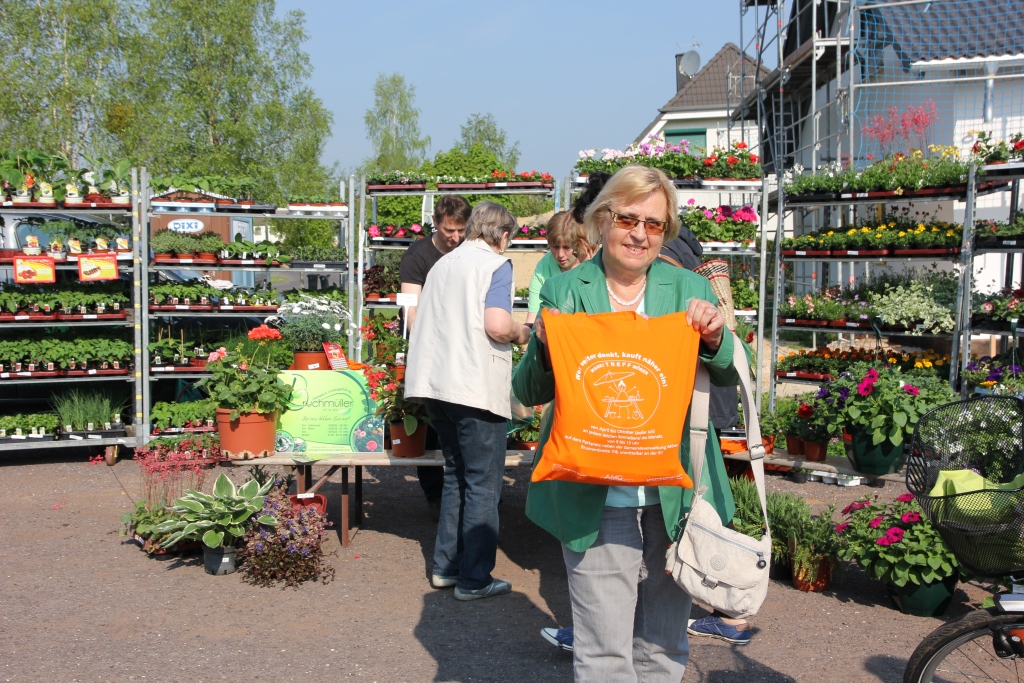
407 420
217 520
896 544
813 550
813 428
309 323
526 436
386 336
786 419
880 409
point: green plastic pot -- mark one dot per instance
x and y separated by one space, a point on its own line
926 600
868 458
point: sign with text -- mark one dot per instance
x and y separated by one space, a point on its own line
186 225
96 267
331 414
34 270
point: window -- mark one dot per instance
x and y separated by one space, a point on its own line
698 137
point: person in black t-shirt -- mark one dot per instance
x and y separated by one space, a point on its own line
451 213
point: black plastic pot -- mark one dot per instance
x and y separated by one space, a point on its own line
219 561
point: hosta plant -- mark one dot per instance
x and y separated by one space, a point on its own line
218 520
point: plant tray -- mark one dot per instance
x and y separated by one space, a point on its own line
27 317
860 252
461 186
120 315
183 430
730 182
682 182
30 375
800 374
998 242
946 251
94 435
173 368
814 197
94 371
320 265
253 309
161 258
807 253
27 437
802 322
181 307
250 262
120 255
397 187
519 185
727 246
33 205
97 205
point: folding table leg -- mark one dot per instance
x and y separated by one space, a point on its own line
345 540
359 495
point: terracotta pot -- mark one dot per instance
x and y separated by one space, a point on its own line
524 445
317 501
794 446
821 583
207 256
815 451
252 435
373 297
407 445
310 360
399 371
769 444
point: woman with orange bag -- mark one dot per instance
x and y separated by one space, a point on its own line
630 617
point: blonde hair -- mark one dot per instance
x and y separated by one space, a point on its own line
558 229
627 186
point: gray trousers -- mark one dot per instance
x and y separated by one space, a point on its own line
629 615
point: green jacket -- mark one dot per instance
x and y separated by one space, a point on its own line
572 511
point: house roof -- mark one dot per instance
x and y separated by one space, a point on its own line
709 88
964 29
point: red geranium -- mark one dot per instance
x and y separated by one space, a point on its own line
805 411
264 332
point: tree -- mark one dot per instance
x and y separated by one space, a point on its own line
221 88
393 126
476 161
62 63
482 129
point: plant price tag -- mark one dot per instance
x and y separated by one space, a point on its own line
305 495
404 300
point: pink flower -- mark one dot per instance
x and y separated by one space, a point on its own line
875 522
415 227
374 231
895 533
854 506
865 388
692 201
911 389
884 540
543 232
872 374
371 445
400 233
243 366
987 307
525 230
842 527
905 498
910 517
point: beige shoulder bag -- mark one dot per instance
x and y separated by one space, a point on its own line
717 566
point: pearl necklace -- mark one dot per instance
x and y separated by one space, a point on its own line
626 303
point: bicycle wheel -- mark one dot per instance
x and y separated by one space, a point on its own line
962 652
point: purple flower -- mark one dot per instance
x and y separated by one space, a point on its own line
973 366
258 547
1014 370
305 552
824 392
292 549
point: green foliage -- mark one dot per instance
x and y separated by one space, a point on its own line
78 409
787 514
392 126
309 322
193 290
529 432
189 414
471 161
895 543
31 422
246 383
143 520
483 131
814 540
218 520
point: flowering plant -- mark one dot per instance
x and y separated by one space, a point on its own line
913 304
415 230
1006 305
309 322
389 394
812 421
396 178
882 404
290 551
831 177
894 542
247 383
1002 229
721 224
386 336
736 163
530 232
677 161
998 376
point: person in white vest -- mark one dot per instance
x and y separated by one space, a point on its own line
460 365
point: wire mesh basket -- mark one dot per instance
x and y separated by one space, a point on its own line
966 469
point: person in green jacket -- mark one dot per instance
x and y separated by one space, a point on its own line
630 617
559 259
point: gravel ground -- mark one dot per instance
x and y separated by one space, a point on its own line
82 604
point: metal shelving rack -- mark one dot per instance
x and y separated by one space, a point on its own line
147 316
134 321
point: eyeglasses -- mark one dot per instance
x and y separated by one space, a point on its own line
623 222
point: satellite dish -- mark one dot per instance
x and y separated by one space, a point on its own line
689 63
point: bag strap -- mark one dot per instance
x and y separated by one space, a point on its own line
699 424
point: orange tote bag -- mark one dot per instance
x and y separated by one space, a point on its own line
623 385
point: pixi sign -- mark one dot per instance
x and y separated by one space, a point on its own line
186 225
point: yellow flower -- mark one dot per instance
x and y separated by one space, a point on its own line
831 232
918 364
852 232
920 226
949 233
927 363
902 234
865 229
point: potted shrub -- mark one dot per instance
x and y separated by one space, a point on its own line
217 520
526 436
813 550
880 409
408 421
309 323
249 394
896 544
785 415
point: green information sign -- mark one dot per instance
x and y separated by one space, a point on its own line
331 414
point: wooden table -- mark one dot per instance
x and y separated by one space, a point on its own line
350 523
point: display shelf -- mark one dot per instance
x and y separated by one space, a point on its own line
210 314
11 207
30 444
871 259
285 268
130 377
798 380
859 331
10 326
328 216
155 375
438 193
729 249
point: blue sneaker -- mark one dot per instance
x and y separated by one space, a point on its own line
716 628
559 637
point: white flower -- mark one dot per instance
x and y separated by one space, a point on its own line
337 327
325 326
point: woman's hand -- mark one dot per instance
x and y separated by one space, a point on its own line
538 325
709 323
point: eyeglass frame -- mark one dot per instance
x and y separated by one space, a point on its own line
647 230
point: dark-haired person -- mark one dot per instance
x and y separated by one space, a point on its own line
450 215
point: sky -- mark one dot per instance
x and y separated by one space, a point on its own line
557 76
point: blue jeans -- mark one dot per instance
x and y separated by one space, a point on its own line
473 443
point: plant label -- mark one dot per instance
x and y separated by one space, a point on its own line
305 495
405 300
319 265
76 437
396 442
36 269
